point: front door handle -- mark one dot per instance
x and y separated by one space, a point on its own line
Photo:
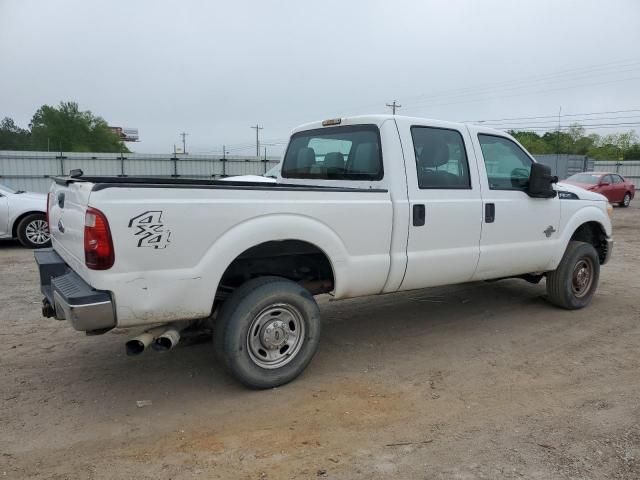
418 215
489 212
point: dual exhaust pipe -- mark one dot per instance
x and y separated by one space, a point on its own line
161 339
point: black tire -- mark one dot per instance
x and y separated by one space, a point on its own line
249 305
568 286
626 200
30 232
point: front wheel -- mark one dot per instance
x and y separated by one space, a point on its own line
267 332
573 284
33 231
626 200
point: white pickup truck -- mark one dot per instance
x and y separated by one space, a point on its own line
362 206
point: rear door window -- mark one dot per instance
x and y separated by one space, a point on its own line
349 152
441 159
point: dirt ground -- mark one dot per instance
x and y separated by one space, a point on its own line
481 380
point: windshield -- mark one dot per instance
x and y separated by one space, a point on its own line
6 190
589 178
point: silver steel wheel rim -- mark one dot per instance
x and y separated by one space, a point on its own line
582 277
37 232
627 200
275 336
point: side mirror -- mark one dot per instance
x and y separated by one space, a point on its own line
541 182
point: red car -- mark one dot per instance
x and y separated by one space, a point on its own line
613 186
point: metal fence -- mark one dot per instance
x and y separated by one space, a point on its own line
32 171
566 165
629 169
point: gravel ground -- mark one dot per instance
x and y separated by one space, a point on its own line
482 380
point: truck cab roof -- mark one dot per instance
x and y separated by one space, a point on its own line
378 119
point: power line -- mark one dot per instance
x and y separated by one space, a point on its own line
521 82
431 105
546 123
593 126
526 81
552 116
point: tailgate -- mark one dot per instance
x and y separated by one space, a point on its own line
67 206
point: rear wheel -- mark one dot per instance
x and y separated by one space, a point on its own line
573 284
626 200
33 231
267 332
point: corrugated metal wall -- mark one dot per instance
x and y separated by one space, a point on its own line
31 171
565 165
629 169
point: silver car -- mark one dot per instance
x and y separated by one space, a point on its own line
23 216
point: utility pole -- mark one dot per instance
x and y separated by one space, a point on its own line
393 106
257 128
265 160
558 140
184 142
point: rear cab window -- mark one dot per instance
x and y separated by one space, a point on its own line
350 152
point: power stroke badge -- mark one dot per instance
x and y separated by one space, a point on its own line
149 230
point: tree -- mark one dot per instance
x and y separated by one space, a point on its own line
68 129
532 142
617 146
13 137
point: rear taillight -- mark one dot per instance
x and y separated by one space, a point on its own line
98 245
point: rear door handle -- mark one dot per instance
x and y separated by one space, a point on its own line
418 215
489 212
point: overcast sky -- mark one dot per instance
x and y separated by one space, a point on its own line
213 69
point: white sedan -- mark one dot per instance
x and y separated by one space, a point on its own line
270 176
23 216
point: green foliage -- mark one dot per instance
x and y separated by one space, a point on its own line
63 128
13 137
617 146
70 130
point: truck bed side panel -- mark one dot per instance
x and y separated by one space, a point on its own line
173 245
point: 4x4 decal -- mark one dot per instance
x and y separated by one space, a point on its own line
149 229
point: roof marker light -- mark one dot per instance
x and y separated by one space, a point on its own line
331 121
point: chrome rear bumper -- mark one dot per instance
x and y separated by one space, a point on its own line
69 297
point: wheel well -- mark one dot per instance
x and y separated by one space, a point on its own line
16 222
296 260
593 233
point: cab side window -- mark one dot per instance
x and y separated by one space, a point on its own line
617 179
441 159
507 165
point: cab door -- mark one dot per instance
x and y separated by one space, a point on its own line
445 204
619 188
607 188
519 232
